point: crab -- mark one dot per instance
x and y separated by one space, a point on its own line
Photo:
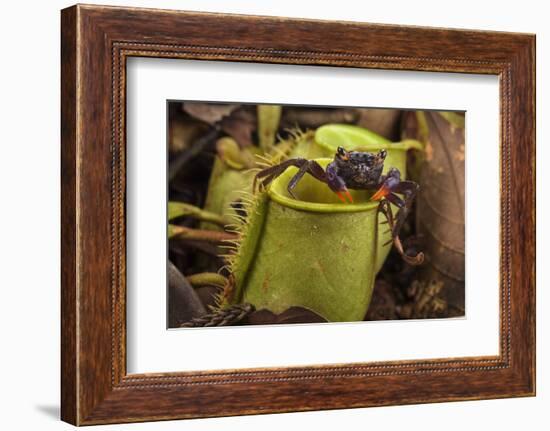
357 170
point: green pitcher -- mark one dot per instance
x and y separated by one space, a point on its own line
313 251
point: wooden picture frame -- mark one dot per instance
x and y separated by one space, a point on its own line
95 42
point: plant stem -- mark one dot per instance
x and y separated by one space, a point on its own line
186 233
206 279
179 209
269 117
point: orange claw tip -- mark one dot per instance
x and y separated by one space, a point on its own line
341 196
345 194
382 191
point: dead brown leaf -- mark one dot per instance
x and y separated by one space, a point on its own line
440 206
240 125
210 113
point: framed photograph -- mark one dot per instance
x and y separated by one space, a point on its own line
323 214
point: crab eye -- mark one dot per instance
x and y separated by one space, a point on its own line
342 154
382 154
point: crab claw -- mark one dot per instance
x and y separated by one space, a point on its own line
391 181
343 194
380 193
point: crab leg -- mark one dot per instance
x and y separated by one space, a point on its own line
269 174
304 166
409 190
392 184
385 208
297 177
